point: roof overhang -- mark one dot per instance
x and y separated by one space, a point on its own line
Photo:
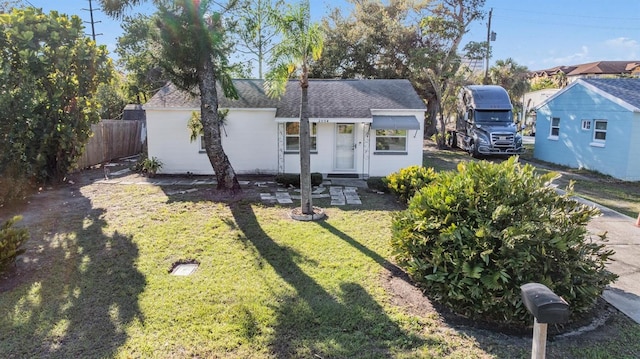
326 120
395 123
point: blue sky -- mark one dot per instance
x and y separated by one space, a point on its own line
538 34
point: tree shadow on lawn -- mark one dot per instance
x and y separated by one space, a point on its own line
74 291
313 322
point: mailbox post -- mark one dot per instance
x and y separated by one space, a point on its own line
546 307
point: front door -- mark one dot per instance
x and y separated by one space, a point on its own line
345 147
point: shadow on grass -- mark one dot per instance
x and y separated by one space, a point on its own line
313 322
75 296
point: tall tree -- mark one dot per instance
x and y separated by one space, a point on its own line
49 74
439 61
374 41
513 77
255 34
194 53
139 56
8 5
301 42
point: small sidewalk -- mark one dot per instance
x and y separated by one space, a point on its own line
624 238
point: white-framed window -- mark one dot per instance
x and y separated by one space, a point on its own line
599 130
391 140
586 125
292 136
555 127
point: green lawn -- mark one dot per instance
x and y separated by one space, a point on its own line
267 286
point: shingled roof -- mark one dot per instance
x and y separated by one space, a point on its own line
626 89
592 68
327 98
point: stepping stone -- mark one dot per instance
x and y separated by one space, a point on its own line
121 172
283 198
318 190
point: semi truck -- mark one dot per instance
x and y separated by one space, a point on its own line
484 124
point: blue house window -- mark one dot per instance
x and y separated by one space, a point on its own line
555 127
586 125
600 131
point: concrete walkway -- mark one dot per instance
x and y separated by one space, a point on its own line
624 238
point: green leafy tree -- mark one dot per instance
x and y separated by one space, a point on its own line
110 99
8 5
375 40
513 78
194 53
443 31
255 33
138 53
49 74
301 42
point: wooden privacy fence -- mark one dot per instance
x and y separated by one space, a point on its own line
112 139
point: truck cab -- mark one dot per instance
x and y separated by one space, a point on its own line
485 123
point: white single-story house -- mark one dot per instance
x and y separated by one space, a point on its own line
359 128
592 124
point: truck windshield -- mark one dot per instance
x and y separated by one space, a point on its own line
493 116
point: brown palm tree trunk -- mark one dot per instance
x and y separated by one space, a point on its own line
306 205
226 176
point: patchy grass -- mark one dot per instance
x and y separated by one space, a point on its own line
95 284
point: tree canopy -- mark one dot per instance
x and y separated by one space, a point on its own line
49 74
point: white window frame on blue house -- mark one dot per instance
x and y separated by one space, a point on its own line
586 125
556 127
599 133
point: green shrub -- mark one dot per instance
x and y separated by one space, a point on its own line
11 239
293 179
378 184
407 181
147 166
473 237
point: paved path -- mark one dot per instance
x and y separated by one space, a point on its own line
624 239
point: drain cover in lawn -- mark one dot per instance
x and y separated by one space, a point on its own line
184 269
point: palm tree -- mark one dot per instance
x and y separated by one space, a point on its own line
194 53
301 42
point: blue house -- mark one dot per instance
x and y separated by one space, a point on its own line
592 124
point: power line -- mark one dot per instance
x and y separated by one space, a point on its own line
93 29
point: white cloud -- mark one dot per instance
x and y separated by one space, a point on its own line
575 58
623 48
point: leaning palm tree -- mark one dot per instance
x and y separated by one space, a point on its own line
195 55
301 42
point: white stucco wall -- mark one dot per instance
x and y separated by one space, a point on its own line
249 140
383 164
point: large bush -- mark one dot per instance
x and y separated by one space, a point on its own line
49 73
473 237
11 240
407 181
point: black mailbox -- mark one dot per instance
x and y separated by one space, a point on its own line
545 305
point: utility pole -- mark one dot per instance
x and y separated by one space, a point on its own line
490 36
93 29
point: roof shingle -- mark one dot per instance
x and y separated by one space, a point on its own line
327 98
626 89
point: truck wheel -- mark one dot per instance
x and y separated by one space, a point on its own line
473 150
453 141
